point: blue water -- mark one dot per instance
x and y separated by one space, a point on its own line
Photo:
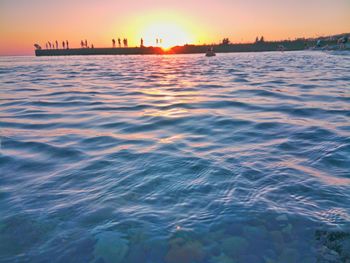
241 158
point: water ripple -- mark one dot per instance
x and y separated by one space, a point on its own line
162 157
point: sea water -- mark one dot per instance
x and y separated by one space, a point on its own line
240 158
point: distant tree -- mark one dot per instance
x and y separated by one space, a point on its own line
225 41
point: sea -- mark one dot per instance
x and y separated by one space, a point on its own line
238 158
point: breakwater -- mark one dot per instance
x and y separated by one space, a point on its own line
186 49
99 51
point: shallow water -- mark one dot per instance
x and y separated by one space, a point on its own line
237 158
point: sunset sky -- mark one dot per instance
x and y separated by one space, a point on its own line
25 22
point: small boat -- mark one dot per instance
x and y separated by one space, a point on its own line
210 52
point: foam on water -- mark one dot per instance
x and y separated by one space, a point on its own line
175 158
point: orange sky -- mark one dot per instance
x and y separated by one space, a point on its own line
25 22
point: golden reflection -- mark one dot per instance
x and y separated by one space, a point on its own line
171 139
329 179
174 100
171 113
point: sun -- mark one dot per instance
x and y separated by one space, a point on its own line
165 34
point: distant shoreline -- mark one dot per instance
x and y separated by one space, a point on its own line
295 45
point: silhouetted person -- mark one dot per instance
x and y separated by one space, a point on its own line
49 44
119 42
126 42
67 44
63 44
113 42
141 42
342 42
318 43
92 45
46 45
225 41
56 44
157 41
82 44
37 46
86 44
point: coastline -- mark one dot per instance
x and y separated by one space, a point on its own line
186 49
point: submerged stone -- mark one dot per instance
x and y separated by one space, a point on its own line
222 258
269 256
234 229
18 234
333 246
137 253
156 249
252 232
288 229
2 226
346 249
308 260
269 260
277 239
184 251
250 259
289 255
234 246
282 218
110 247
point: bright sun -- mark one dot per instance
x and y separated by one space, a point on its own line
169 34
171 28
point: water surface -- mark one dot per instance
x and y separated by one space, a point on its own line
237 158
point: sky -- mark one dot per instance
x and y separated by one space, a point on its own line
25 22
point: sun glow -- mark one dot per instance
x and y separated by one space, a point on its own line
165 30
165 35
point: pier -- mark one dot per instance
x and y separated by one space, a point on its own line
186 49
